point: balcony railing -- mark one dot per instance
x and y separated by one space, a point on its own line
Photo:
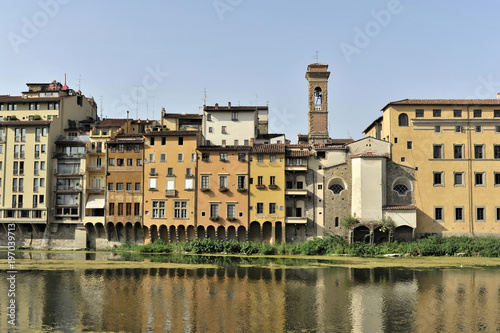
68 188
96 189
95 168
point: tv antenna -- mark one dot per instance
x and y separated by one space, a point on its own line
316 57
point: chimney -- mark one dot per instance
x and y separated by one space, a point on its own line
216 106
252 140
498 95
228 105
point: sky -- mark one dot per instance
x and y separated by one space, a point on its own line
143 56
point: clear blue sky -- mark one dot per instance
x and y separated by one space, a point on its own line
246 51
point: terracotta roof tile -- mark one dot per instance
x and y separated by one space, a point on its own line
25 123
298 153
269 148
445 102
234 108
20 99
182 115
219 148
400 207
112 122
167 133
369 154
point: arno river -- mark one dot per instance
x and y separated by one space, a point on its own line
75 292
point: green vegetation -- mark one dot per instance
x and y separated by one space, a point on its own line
331 245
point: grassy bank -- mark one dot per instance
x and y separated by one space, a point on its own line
431 246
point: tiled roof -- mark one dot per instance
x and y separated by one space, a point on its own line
445 102
126 140
24 123
340 141
269 148
400 207
139 121
373 124
269 135
112 122
182 115
219 148
299 153
129 135
369 154
8 98
234 108
167 133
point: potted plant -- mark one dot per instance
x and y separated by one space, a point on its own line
273 186
223 189
214 218
260 187
223 159
205 189
241 189
241 160
231 218
205 159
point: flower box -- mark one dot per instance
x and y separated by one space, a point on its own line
205 189
223 189
260 187
214 218
242 189
231 218
222 159
273 187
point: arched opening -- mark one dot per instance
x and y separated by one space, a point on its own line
181 230
173 234
403 119
129 232
254 234
211 232
191 233
112 235
145 232
99 229
402 186
119 232
267 232
318 98
403 233
336 185
91 236
221 233
361 234
138 234
200 232
242 234
231 233
154 233
279 232
163 233
379 236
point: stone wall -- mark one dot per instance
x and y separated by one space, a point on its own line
402 174
337 205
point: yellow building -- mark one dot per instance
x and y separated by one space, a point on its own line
181 121
267 192
454 147
170 183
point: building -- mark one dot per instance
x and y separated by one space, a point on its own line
181 121
170 176
452 144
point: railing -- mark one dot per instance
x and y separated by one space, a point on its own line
69 188
96 189
95 168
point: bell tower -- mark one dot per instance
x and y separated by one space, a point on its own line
317 79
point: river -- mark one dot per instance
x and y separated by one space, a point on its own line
82 292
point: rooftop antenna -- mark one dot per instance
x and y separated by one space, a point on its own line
316 57
205 97
147 114
102 107
80 82
147 110
137 102
257 96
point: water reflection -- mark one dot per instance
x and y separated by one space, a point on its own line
235 298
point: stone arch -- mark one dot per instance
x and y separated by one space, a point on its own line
138 234
403 119
163 233
181 233
200 232
267 232
278 230
398 186
337 185
221 233
120 232
129 232
211 232
145 232
361 234
191 233
91 236
154 233
254 234
111 230
172 232
379 236
318 98
242 234
100 231
403 233
231 233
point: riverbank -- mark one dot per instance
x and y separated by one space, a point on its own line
333 245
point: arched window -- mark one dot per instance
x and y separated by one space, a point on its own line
336 188
318 98
337 222
400 188
403 119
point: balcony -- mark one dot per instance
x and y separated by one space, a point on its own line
295 191
296 220
96 189
170 193
296 167
93 168
64 188
95 151
66 172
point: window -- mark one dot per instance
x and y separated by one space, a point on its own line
129 186
121 147
395 140
42 165
222 181
205 157
110 186
496 113
210 129
497 178
480 214
419 113
113 149
478 151
158 209
223 156
137 209
128 209
170 172
272 208
42 182
180 209
111 208
209 117
119 161
163 157
163 141
223 130
497 129
180 157
129 148
246 142
152 141
438 178
241 182
231 210
458 151
236 142
401 189
457 113
189 172
260 158
152 183
111 162
214 210
437 151
458 129
479 178
234 115
479 129
119 186
403 119
459 214
260 180
409 144
137 148
478 113
151 158
180 141
260 208
137 186
438 213
272 158
205 181
170 184
436 113
437 129
272 180
129 162
496 151
120 209
188 184
336 188
497 214
458 179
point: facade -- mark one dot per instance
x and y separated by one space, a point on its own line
267 192
180 121
170 180
453 147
